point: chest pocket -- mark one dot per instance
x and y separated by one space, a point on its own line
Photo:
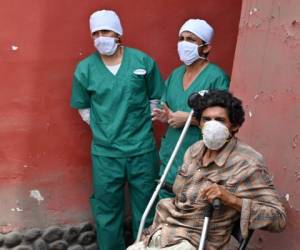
232 184
180 182
137 90
188 187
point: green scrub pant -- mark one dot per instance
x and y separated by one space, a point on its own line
107 201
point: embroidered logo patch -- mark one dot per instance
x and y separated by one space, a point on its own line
140 72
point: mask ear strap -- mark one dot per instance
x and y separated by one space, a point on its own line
229 138
118 41
202 57
203 44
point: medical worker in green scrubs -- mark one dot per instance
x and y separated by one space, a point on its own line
112 88
195 75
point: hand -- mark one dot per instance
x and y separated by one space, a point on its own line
214 191
161 115
177 119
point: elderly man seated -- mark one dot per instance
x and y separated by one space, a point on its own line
220 166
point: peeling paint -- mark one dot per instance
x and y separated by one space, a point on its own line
274 67
253 11
35 194
287 197
6 228
14 47
295 139
290 203
17 209
292 33
295 22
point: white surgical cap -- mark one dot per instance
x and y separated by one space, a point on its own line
200 28
105 20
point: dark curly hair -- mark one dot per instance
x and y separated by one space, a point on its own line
224 99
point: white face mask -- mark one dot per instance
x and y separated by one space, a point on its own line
215 134
106 45
188 52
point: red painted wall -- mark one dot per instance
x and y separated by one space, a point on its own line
266 75
44 145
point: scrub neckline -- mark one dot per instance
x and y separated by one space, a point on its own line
192 83
121 66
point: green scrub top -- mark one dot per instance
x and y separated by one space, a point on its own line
212 77
120 116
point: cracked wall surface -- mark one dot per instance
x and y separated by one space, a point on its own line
266 75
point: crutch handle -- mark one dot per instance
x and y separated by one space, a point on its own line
216 204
